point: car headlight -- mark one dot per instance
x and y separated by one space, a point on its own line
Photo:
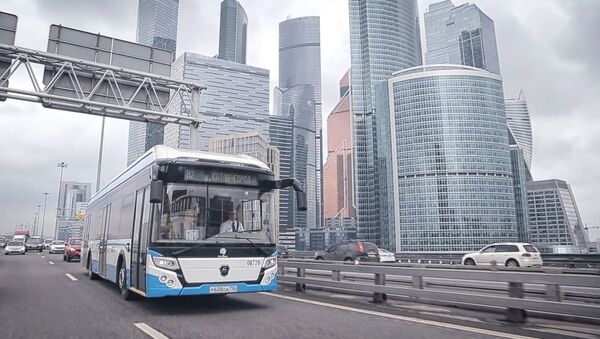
166 262
270 262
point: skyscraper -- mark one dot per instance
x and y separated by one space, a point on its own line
338 183
233 32
297 104
156 27
450 159
236 99
300 64
519 124
281 135
520 175
554 220
461 35
380 45
72 201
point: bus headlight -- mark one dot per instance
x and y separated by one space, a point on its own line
270 262
166 262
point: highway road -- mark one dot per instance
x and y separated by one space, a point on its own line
43 297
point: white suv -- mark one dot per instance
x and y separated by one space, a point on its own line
508 254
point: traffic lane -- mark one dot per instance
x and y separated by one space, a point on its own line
254 315
38 301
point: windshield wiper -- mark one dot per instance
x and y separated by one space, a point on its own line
183 250
235 236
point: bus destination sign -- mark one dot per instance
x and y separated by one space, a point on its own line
220 177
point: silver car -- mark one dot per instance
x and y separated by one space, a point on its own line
57 246
14 247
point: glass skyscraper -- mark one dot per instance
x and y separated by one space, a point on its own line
233 32
156 27
450 159
554 219
461 35
281 131
384 38
300 64
236 99
519 124
520 175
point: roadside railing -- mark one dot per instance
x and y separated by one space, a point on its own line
375 280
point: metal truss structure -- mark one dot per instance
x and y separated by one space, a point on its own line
106 95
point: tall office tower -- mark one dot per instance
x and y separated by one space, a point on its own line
450 159
233 32
72 201
281 134
461 35
519 124
297 103
156 27
255 145
384 38
338 190
554 220
520 175
236 99
300 64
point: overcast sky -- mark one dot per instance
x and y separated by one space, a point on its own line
548 48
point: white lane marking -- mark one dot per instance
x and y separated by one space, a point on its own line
50 262
404 318
43 256
71 277
565 333
150 331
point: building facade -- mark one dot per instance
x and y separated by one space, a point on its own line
462 35
236 99
450 159
338 183
300 64
554 220
519 124
156 27
380 45
520 175
233 32
281 131
297 104
72 201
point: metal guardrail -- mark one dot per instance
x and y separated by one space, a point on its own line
515 302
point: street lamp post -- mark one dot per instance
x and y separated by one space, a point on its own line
36 220
44 213
62 165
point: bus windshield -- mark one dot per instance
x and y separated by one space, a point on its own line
211 213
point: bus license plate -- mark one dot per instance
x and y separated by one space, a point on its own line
222 289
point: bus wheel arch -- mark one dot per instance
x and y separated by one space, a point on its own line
122 279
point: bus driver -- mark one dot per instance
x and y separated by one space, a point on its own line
231 224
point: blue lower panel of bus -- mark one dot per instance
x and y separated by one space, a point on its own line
156 289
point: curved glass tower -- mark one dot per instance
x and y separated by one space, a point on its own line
519 123
451 160
384 38
233 31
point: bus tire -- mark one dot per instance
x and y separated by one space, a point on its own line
91 274
121 279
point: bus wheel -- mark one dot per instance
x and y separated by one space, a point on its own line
125 292
91 274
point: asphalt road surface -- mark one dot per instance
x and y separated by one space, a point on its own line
41 296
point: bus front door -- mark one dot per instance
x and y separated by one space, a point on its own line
139 240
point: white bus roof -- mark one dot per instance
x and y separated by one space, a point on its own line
162 153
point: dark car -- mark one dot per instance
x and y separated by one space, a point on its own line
34 244
3 242
72 249
350 251
282 252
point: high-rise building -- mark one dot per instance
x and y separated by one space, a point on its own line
72 201
338 184
451 165
300 64
281 134
554 220
384 38
297 104
156 27
520 175
236 99
519 124
233 32
462 35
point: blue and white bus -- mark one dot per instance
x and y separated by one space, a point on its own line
157 230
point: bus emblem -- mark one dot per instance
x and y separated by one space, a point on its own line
224 270
222 252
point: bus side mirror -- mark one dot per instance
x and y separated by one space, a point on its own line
156 191
301 200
